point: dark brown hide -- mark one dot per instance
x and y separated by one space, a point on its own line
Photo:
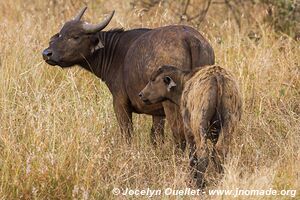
124 60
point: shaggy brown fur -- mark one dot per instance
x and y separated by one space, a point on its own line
211 107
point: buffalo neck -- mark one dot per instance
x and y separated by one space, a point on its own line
107 63
103 61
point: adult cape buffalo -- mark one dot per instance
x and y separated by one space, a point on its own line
124 60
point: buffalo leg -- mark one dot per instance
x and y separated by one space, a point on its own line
124 118
222 146
192 155
200 134
175 121
199 156
202 162
157 130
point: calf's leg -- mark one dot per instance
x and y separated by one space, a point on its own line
222 146
200 129
173 116
202 155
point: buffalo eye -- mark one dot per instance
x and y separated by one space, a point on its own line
74 38
167 80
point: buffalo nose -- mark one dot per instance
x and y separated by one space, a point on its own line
47 53
141 94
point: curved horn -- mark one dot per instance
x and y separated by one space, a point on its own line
79 15
91 28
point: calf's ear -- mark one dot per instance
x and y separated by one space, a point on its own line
169 82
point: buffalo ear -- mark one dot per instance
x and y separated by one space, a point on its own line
169 82
98 44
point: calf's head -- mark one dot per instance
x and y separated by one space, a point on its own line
75 42
161 86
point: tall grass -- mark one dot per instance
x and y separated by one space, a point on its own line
59 138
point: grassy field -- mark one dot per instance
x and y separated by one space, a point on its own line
59 138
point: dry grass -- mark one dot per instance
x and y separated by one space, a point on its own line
58 135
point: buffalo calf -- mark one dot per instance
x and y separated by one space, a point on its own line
211 107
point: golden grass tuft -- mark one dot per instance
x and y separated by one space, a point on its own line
58 135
